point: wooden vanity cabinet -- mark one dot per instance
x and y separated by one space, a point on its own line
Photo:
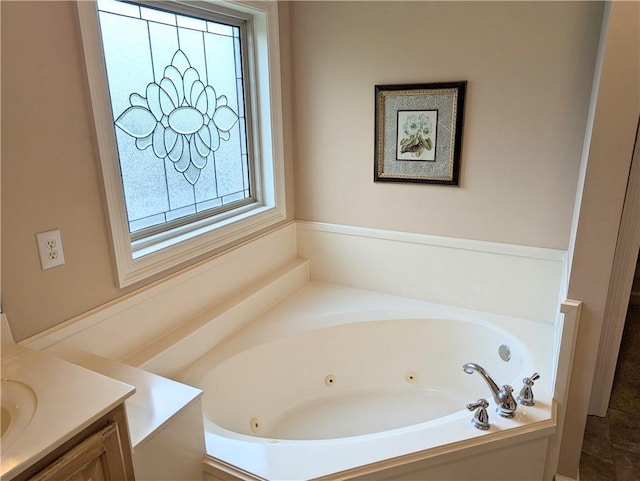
101 452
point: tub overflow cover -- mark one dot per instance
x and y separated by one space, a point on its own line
504 352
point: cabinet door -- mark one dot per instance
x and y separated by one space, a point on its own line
97 458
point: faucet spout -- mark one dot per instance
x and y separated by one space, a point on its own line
502 396
470 367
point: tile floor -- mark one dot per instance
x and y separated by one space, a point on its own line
611 446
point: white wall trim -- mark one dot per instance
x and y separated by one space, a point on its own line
513 280
440 241
566 336
624 265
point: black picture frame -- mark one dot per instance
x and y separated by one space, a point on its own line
418 132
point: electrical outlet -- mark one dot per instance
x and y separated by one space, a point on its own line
50 249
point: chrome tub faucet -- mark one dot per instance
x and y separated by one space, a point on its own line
506 404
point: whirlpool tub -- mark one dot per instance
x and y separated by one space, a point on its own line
340 383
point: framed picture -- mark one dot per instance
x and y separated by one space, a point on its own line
419 132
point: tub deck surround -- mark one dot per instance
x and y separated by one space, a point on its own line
156 400
177 349
68 394
392 276
325 308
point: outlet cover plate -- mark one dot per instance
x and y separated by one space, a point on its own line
50 249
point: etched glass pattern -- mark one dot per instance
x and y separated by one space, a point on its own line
177 96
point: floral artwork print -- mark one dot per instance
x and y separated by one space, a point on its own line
180 118
416 135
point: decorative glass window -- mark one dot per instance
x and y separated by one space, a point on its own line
190 153
177 96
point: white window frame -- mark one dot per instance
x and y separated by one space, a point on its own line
138 260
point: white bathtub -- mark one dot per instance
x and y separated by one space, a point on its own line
340 383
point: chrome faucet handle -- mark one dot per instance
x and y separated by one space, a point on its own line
526 393
480 417
508 405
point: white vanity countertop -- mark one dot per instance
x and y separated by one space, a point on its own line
69 398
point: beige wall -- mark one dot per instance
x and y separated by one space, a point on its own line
529 68
50 172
